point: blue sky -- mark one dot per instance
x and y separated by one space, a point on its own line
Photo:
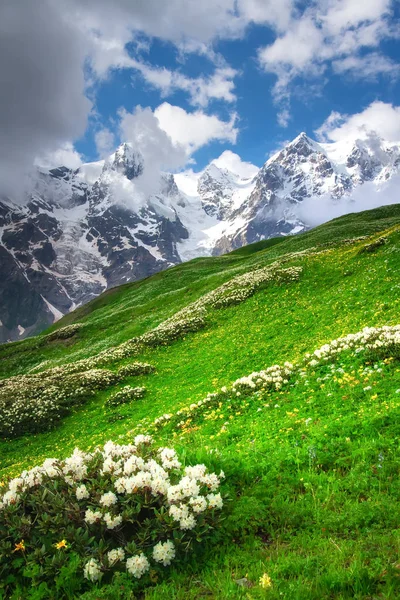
312 97
242 75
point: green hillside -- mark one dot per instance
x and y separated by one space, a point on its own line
309 450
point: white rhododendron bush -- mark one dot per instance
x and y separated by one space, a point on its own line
128 508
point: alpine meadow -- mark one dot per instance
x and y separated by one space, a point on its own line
226 428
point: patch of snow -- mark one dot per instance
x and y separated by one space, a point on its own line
55 312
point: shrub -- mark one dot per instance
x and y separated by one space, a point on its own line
64 333
35 402
134 369
125 395
381 241
131 509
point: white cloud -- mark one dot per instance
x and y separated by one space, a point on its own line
201 90
379 117
160 153
105 142
42 100
44 46
167 137
267 12
65 156
196 129
317 210
344 33
367 67
231 161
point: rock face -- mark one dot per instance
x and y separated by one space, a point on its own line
81 231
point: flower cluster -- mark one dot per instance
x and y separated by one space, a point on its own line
122 507
370 338
272 378
64 332
126 394
236 290
35 402
372 246
379 340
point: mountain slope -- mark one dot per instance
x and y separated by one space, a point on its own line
82 231
311 469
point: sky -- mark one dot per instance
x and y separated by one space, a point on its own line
191 80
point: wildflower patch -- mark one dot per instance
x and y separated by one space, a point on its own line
125 395
34 403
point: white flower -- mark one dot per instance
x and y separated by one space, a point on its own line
178 512
82 492
133 464
196 472
198 505
112 522
10 497
188 522
137 565
120 485
108 499
91 516
164 552
214 501
211 481
92 570
115 555
169 459
142 439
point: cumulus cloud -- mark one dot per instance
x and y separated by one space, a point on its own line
379 117
45 46
343 33
105 142
231 161
166 139
65 156
368 67
142 129
42 100
317 210
195 129
219 85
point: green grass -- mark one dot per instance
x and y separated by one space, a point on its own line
314 505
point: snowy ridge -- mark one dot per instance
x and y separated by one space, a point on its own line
82 231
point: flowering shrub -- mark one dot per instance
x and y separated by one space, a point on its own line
135 368
372 246
370 338
128 508
126 394
379 340
64 332
236 290
34 402
272 378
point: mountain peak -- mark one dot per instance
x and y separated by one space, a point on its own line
303 138
127 160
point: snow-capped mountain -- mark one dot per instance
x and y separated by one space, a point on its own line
82 231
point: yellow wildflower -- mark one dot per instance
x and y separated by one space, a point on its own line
265 581
62 544
19 546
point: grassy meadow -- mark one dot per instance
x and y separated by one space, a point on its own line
311 484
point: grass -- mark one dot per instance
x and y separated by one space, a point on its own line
312 471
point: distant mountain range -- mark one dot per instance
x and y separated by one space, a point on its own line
82 231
